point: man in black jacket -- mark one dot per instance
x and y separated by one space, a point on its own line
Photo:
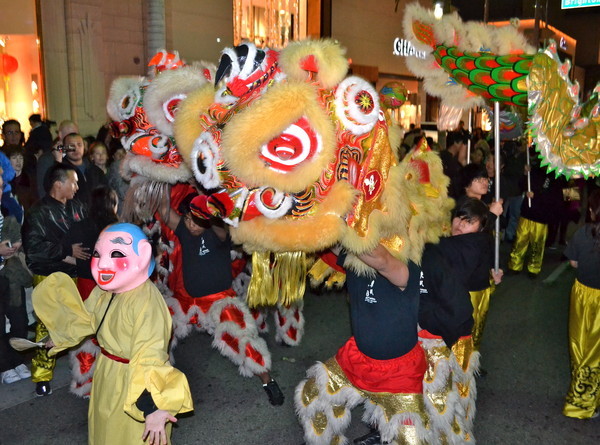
46 250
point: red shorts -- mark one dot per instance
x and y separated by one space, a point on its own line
402 375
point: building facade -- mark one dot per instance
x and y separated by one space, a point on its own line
81 46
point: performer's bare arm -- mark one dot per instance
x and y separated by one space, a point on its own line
220 231
387 265
169 216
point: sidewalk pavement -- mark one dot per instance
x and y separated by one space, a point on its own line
24 390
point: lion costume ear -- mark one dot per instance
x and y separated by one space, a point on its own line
323 59
187 124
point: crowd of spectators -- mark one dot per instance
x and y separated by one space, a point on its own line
48 185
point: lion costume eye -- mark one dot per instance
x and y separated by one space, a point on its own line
170 106
356 105
128 103
297 144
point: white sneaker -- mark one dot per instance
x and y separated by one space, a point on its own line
10 376
23 371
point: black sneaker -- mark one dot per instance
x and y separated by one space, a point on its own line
531 275
371 438
274 392
43 389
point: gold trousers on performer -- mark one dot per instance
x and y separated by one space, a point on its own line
583 398
480 300
324 400
530 235
449 388
42 366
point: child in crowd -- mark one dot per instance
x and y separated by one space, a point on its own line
99 156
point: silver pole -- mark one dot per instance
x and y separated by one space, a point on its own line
497 181
528 177
470 127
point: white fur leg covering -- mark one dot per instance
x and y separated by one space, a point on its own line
406 428
83 364
463 376
289 324
324 409
181 325
260 317
438 394
240 284
239 342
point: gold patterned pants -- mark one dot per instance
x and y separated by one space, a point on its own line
324 400
583 398
42 365
480 300
449 388
530 235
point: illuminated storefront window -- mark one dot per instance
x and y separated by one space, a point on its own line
271 23
21 82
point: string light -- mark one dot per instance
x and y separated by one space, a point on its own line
438 10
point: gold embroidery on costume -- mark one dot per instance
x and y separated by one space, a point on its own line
310 392
339 410
319 422
585 387
397 403
463 349
337 378
434 355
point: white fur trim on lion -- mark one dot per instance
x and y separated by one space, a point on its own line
348 112
124 96
375 415
206 147
293 318
167 111
160 145
248 67
324 402
282 203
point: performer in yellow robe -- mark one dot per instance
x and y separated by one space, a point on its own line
135 391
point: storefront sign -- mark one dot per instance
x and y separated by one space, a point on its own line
404 48
570 4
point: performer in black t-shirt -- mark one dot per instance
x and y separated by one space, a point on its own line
381 365
207 277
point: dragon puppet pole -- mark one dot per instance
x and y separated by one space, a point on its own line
528 177
497 182
469 141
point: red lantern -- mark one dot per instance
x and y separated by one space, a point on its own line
9 64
